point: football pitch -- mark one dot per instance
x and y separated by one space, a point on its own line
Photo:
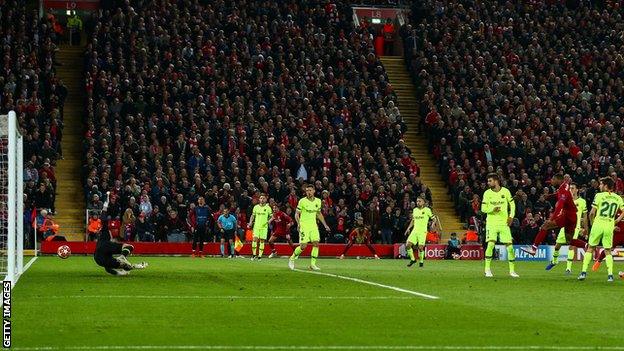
220 304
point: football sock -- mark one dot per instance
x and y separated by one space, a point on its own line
125 252
222 249
570 258
261 251
372 249
602 255
314 255
272 246
113 271
232 249
410 252
421 256
254 245
555 258
588 257
347 248
124 264
541 235
609 261
296 253
488 255
579 243
511 257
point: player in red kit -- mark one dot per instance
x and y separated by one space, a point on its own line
281 229
563 216
359 235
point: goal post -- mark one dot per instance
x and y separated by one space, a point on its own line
12 199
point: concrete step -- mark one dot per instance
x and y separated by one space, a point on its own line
408 105
71 217
394 67
69 213
70 195
68 69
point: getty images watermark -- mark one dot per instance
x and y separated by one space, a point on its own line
6 314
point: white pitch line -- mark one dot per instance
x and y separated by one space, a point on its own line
32 260
370 283
225 297
328 347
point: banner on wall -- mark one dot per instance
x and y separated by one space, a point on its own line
379 15
72 5
544 253
438 252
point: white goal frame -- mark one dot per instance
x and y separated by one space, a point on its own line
14 249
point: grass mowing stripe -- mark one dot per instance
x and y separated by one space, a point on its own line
370 283
326 347
225 297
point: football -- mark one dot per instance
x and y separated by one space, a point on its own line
63 252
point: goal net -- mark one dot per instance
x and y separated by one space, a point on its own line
11 199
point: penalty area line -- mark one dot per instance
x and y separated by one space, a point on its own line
328 347
357 280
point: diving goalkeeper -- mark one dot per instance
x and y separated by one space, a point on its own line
113 255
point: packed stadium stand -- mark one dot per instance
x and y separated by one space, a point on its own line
526 90
168 102
230 99
32 87
441 138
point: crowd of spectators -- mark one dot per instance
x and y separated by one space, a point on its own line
29 86
230 99
525 89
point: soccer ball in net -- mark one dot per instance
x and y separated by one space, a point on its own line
63 251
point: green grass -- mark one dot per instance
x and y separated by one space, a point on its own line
64 303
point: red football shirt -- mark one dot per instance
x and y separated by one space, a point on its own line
565 201
280 223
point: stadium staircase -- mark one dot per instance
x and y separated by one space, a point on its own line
404 88
70 200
